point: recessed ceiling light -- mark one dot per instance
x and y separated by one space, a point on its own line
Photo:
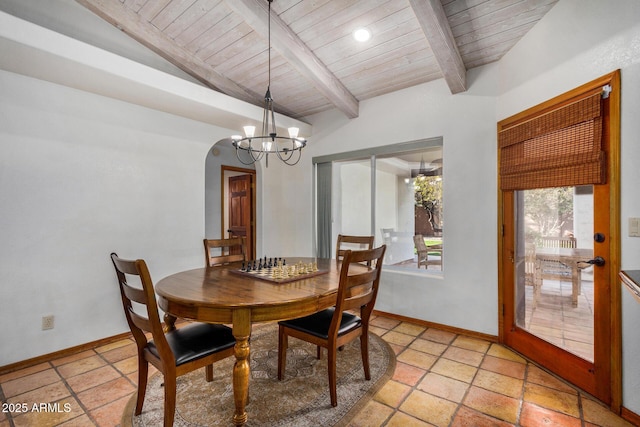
362 34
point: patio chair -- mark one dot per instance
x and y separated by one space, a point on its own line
423 252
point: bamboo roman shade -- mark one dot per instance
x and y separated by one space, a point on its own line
559 148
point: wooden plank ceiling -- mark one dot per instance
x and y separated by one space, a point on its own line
316 64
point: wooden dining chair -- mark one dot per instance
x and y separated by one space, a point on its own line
173 353
532 271
346 242
334 327
224 251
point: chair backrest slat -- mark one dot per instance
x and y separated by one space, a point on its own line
140 321
346 242
231 250
558 242
134 294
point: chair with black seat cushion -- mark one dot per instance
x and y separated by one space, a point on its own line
174 353
334 327
346 242
224 251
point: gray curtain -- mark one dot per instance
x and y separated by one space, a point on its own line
324 209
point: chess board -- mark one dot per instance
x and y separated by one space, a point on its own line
266 274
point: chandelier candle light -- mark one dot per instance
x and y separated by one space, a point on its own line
288 149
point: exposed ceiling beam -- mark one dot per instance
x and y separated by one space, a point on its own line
289 45
130 22
435 26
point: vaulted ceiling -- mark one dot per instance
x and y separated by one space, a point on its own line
316 64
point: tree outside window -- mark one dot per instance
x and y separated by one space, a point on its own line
428 196
549 212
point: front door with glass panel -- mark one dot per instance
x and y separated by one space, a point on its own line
560 236
554 281
557 282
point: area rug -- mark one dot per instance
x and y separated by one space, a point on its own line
301 399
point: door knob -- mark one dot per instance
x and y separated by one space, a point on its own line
599 261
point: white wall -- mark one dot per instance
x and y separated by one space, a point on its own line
285 210
355 197
576 42
387 203
466 295
82 176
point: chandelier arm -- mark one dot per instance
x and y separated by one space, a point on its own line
256 158
240 159
289 152
284 158
250 150
297 160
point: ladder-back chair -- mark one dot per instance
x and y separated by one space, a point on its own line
173 353
334 327
224 251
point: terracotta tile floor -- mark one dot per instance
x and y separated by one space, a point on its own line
441 379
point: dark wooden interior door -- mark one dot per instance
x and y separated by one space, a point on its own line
240 210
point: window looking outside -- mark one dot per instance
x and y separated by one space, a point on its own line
397 198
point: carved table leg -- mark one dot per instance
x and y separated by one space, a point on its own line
241 332
169 322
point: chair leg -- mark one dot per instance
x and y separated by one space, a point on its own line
318 352
209 372
282 352
364 349
169 399
143 372
331 366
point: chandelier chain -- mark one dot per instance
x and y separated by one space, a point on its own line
252 148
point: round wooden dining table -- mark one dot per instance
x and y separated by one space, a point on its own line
223 295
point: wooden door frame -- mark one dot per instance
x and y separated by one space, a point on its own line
224 204
505 265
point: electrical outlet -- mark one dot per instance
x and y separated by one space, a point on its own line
47 322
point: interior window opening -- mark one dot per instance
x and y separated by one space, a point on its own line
397 198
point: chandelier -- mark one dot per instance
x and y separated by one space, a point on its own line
252 148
